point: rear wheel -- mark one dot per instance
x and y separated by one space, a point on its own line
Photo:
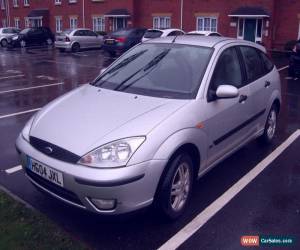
75 47
4 43
270 126
176 187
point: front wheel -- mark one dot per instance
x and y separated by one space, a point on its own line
176 187
4 43
270 126
75 47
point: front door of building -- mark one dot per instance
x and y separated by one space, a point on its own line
250 29
119 23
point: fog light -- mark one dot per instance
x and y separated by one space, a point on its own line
102 204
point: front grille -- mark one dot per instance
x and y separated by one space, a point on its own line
61 192
57 152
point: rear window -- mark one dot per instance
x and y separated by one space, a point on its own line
66 32
24 31
153 34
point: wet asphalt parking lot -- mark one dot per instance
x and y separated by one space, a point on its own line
268 205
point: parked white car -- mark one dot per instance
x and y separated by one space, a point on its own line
203 33
6 33
156 33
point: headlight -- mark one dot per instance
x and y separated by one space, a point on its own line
26 129
114 154
15 38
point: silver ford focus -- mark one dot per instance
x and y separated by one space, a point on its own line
153 122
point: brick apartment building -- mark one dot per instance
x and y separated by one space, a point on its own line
271 22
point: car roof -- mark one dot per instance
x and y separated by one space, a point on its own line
204 41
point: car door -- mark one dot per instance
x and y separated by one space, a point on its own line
259 83
78 37
93 39
226 119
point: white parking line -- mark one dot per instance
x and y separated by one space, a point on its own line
9 77
285 67
19 113
34 87
13 170
200 220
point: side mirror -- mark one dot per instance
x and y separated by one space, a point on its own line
102 70
227 91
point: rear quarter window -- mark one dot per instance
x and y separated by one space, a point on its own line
267 63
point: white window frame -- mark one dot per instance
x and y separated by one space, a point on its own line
58 24
73 24
57 2
98 23
15 3
72 1
2 5
204 18
26 3
17 22
27 22
161 22
4 23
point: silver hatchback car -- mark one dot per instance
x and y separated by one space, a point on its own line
6 34
74 40
158 118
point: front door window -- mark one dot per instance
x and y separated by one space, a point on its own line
250 29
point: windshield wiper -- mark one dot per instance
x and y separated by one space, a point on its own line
150 65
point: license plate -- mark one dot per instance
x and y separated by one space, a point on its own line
46 172
110 41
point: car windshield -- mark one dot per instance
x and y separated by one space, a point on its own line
24 31
160 70
153 34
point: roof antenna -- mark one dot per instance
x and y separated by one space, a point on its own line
174 39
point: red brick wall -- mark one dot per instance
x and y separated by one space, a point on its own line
286 24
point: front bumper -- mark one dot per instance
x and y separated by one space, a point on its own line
63 45
133 187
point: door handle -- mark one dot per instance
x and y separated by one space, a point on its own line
243 98
267 84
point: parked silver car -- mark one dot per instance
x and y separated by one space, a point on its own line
7 33
158 118
74 40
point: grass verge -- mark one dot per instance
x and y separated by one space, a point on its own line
23 228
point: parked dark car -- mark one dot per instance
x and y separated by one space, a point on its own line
32 36
294 62
120 41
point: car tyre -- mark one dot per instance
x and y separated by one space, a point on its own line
75 47
4 43
270 126
176 187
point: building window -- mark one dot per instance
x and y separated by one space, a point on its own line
4 24
207 24
26 2
98 24
27 23
2 5
73 22
161 22
72 1
58 24
57 2
17 22
15 3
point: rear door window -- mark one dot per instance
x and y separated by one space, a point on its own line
253 63
267 63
